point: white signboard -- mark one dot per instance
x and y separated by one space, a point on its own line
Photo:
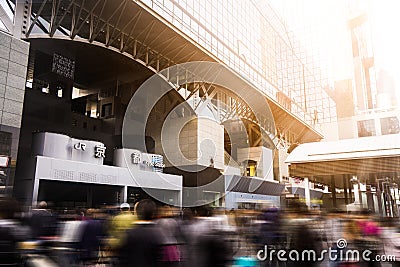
61 146
4 161
133 158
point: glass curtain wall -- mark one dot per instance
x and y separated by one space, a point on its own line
252 39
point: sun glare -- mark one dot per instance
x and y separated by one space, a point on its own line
386 41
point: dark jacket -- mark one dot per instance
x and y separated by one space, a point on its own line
142 246
92 234
43 223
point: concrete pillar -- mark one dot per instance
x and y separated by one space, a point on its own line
124 194
346 200
333 186
370 201
376 207
379 200
307 194
385 200
379 196
396 190
349 188
390 202
356 190
35 192
360 195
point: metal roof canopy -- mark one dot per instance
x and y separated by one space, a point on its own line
314 194
134 29
368 156
254 185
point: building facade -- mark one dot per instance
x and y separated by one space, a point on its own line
353 161
86 61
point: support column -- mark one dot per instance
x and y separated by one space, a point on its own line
307 194
356 188
22 18
379 196
35 192
124 194
360 195
396 194
333 188
370 200
346 200
349 188
386 199
376 207
392 200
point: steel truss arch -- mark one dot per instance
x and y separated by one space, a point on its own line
116 25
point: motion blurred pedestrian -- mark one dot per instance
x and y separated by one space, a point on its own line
206 243
91 237
173 240
11 233
300 237
119 225
43 222
143 244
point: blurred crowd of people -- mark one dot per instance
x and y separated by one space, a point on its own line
147 234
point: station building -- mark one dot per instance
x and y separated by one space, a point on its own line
69 70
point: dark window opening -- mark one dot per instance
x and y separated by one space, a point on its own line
5 143
106 110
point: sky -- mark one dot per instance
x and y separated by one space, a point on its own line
385 23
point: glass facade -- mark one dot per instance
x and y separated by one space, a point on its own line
363 56
390 125
366 128
252 39
5 143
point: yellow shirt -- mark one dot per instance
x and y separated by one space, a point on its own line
119 225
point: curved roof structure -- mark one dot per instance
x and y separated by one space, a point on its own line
375 155
361 148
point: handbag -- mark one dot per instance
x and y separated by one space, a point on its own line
171 253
